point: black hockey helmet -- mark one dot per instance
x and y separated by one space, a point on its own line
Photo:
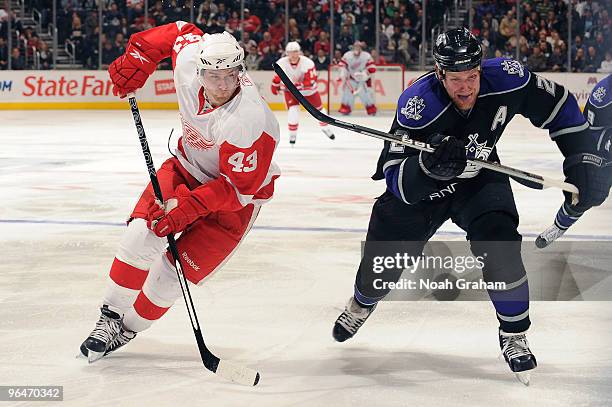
457 50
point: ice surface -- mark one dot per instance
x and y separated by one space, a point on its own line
69 179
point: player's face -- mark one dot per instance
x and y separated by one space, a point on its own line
220 85
294 56
463 87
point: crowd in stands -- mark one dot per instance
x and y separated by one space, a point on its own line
542 42
543 33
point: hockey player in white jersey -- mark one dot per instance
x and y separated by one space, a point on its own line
222 173
301 70
357 68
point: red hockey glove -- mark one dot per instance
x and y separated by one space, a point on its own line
179 212
275 89
132 69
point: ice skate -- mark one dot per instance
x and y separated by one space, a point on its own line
107 336
516 351
292 138
349 322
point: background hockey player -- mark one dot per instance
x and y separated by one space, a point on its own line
462 108
301 70
357 68
221 175
598 112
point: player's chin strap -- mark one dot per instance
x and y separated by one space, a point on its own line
230 371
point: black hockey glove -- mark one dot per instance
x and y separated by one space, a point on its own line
448 159
590 174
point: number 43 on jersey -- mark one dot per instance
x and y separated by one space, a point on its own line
240 164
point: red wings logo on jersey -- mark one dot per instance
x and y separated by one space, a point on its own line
194 138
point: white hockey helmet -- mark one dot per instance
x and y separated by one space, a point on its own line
219 51
293 46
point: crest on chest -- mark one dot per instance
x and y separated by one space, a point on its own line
195 138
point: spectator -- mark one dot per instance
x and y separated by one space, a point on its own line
251 24
205 11
536 61
556 62
215 26
322 43
345 39
509 51
543 7
337 57
578 62
112 20
269 58
378 59
606 64
277 30
246 43
508 26
578 44
3 54
157 13
523 54
592 61
253 59
109 54
17 60
233 24
264 45
45 59
224 14
321 61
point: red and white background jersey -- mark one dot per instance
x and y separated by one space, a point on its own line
358 63
303 73
228 148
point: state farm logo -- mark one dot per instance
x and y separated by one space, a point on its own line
164 87
194 139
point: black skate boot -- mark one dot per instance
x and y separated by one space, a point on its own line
105 337
349 322
516 351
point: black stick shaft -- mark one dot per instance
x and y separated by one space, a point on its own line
210 360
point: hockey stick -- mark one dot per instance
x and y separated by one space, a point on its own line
228 370
526 178
564 219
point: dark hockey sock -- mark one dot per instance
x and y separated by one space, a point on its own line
512 308
364 301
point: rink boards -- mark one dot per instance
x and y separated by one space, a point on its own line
93 89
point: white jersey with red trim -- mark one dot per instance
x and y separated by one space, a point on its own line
228 148
362 62
303 74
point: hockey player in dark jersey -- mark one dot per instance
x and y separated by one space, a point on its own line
462 108
598 112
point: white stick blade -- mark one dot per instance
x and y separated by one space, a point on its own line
238 374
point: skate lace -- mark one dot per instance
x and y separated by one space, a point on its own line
351 321
121 339
515 346
106 329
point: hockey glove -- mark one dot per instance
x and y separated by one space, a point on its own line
592 177
448 159
132 69
274 88
177 214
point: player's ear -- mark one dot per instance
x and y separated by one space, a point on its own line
438 73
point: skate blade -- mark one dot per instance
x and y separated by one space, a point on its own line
523 377
94 356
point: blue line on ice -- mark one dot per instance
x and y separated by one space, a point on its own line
283 228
